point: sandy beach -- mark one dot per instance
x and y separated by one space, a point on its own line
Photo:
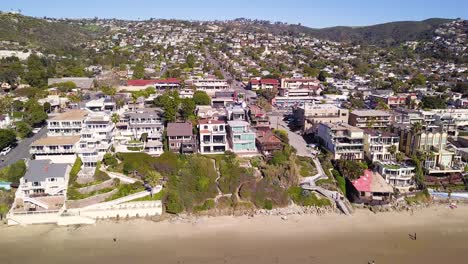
442 236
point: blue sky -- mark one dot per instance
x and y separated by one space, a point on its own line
311 13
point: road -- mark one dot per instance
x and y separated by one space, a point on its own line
295 140
235 84
21 151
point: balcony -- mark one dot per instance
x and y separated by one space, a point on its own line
52 151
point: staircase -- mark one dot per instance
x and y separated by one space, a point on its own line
36 202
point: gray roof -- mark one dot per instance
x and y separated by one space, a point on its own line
81 82
39 170
179 129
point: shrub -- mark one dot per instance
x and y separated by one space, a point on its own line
341 181
268 204
207 205
173 203
306 198
14 172
110 160
74 171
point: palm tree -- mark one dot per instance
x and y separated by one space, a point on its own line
115 118
416 128
392 150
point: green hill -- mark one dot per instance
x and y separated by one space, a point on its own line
41 33
388 33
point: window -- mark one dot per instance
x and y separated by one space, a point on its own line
205 127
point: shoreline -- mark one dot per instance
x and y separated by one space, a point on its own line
331 238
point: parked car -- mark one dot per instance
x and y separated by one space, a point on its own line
36 130
5 151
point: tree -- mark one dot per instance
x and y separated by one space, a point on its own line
23 129
36 75
190 60
381 105
433 102
218 74
35 114
201 98
108 90
399 157
187 107
47 107
115 118
323 76
138 71
65 87
416 128
7 138
392 149
282 134
351 168
418 80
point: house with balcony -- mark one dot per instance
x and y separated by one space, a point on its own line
212 136
101 104
267 141
236 112
400 176
58 149
147 125
96 138
342 140
42 188
68 123
369 118
370 189
258 117
308 115
379 145
180 137
241 137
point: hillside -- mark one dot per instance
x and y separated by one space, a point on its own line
388 33
42 33
381 34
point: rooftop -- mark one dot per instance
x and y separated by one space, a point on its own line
179 129
370 112
77 114
39 170
61 140
372 182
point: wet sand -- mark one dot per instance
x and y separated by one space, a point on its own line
442 237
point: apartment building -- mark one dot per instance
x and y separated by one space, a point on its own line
158 84
241 137
369 118
342 139
297 87
180 137
309 115
68 123
429 143
400 176
212 136
379 145
392 100
209 85
58 149
96 138
263 84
